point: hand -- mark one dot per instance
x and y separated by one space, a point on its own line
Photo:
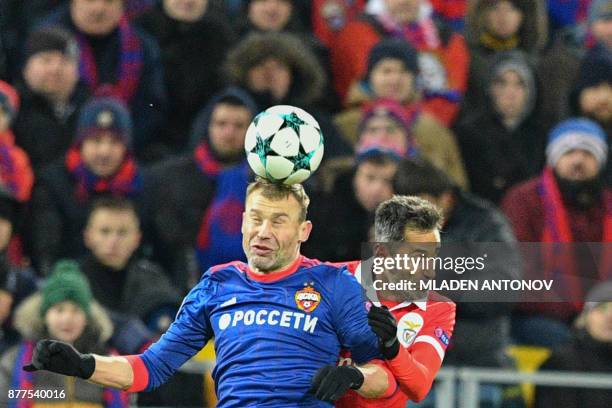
61 358
383 323
331 382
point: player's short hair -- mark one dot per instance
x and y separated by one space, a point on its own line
113 203
399 213
277 191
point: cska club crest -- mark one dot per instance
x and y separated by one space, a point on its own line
307 299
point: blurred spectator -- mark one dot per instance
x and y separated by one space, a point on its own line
275 69
494 26
99 162
16 176
592 94
443 55
590 350
567 203
52 96
391 75
503 137
63 310
330 16
560 65
191 77
281 16
482 329
384 122
343 213
198 200
16 280
118 60
117 274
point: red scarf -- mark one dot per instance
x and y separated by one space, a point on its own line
129 70
559 261
127 181
422 34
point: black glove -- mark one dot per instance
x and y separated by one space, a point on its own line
61 358
331 382
383 323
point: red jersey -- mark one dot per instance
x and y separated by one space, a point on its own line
424 330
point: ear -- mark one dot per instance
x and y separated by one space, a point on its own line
242 227
305 229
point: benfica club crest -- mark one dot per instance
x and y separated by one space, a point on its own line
307 299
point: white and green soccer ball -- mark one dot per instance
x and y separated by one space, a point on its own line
284 144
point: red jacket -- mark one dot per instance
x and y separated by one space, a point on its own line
424 331
349 57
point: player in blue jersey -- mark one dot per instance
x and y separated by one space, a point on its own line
279 322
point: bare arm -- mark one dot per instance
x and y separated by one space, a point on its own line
114 371
377 381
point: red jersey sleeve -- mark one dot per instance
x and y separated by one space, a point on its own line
416 366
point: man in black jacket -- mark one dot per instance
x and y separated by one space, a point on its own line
51 96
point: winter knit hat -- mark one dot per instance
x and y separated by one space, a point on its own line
105 113
52 39
600 293
66 282
392 110
577 133
396 49
9 100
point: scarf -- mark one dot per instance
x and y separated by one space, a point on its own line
219 239
16 176
496 44
559 260
129 70
127 181
422 34
24 380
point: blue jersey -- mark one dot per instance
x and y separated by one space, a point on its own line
271 333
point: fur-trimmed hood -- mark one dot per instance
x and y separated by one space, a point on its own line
533 34
308 77
30 325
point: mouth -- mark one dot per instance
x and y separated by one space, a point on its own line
261 250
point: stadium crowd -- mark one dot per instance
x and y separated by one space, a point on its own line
123 173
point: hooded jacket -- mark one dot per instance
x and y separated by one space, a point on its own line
176 198
308 80
531 39
496 156
78 392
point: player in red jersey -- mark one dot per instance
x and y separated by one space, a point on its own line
414 327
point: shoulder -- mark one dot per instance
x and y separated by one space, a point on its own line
220 271
526 188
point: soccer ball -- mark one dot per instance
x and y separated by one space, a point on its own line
284 144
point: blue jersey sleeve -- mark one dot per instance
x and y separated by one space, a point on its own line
185 337
351 319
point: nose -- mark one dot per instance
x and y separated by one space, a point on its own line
265 230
